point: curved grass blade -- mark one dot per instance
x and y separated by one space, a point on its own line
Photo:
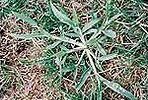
25 18
114 18
114 86
117 88
101 49
107 57
90 24
97 46
83 79
110 33
91 31
62 17
44 33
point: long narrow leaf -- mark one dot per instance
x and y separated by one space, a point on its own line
54 44
90 24
114 18
62 17
83 79
107 57
72 34
117 88
110 33
99 89
75 17
114 86
25 18
101 49
91 31
58 54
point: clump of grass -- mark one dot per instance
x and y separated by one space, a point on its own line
76 52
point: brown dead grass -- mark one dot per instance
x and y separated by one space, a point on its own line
25 82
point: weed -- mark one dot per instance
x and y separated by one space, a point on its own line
76 52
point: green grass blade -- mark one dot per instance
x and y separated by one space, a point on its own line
72 34
97 63
44 33
62 17
114 18
101 49
117 88
75 17
110 33
81 57
90 24
107 57
97 46
91 31
83 79
99 89
54 44
58 54
25 18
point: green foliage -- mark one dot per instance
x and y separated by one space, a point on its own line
111 8
90 24
11 5
75 45
117 88
83 78
25 18
62 17
110 33
107 57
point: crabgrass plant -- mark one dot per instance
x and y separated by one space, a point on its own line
82 45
